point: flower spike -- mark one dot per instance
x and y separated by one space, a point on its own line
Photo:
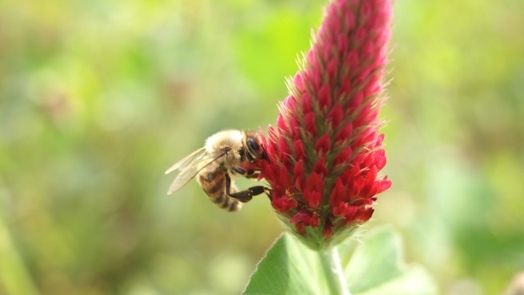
325 152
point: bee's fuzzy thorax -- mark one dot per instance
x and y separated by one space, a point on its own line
230 140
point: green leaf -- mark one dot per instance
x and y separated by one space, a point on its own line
413 281
377 267
288 268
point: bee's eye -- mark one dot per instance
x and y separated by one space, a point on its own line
252 144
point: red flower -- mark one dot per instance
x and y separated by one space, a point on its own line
325 152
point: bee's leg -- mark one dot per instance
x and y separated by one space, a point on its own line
250 173
245 195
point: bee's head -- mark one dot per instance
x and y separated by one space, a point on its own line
253 149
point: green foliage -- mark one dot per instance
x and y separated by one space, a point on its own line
288 268
376 268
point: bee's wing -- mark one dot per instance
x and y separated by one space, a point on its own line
188 159
189 170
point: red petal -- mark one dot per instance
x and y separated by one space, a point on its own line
312 198
320 167
298 173
284 179
345 133
315 182
297 81
371 175
338 194
300 182
323 145
345 89
303 218
300 150
311 124
312 61
335 116
290 102
299 168
380 159
359 37
342 44
324 97
344 157
306 102
355 187
312 220
295 127
332 71
313 190
284 204
359 159
283 150
299 217
332 19
382 185
346 211
365 214
351 62
356 102
282 124
373 87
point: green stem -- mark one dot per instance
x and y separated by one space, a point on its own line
333 271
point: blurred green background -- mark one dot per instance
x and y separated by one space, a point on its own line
98 98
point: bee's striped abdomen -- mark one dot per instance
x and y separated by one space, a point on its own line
213 182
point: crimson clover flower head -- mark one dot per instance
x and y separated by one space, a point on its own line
326 151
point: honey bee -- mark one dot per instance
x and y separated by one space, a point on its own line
225 153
